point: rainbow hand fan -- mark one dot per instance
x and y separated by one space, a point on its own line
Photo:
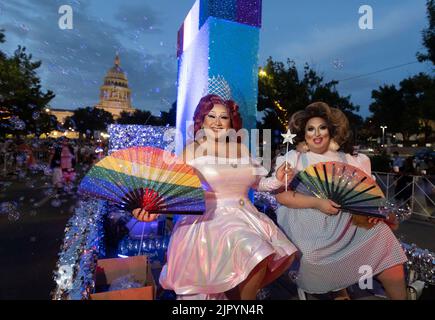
344 184
148 178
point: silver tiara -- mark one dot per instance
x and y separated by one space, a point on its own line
219 86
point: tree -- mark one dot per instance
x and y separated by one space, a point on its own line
282 92
2 40
139 117
387 104
88 120
427 105
20 94
419 95
368 130
170 117
429 35
407 109
69 123
389 110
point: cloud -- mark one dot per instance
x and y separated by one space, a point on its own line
323 43
20 30
140 18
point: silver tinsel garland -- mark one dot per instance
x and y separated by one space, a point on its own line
127 136
420 265
83 243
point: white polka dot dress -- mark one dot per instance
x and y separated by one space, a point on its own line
335 253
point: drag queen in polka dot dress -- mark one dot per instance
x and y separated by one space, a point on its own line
334 245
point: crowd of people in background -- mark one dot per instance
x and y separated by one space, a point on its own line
421 165
59 158
412 167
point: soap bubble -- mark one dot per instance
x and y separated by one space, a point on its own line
56 203
14 216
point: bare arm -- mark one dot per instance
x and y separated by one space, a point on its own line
274 182
142 215
295 200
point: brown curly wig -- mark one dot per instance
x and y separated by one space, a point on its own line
338 124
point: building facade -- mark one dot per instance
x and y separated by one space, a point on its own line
115 95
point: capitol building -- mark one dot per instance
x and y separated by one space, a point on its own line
115 95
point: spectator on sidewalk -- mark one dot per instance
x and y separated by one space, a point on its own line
55 159
25 158
403 189
428 176
67 163
397 162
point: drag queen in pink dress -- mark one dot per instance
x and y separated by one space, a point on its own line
233 250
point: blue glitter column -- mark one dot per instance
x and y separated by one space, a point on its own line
218 38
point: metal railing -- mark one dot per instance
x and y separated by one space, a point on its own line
416 191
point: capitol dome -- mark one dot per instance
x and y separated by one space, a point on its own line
115 95
115 73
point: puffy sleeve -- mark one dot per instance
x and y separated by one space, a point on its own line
272 183
363 162
291 157
269 184
262 183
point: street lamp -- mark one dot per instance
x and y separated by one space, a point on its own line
383 134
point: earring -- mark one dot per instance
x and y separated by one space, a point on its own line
302 147
333 146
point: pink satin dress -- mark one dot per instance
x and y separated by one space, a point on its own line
214 252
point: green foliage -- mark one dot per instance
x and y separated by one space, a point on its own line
21 96
88 120
406 109
139 117
283 91
429 35
142 117
169 117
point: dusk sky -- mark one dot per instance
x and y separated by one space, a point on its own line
323 33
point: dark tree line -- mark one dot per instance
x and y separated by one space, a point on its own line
22 102
283 91
409 108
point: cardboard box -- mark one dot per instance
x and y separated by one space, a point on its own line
109 270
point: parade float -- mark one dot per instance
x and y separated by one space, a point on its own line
216 38
100 233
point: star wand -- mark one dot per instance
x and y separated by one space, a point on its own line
288 138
